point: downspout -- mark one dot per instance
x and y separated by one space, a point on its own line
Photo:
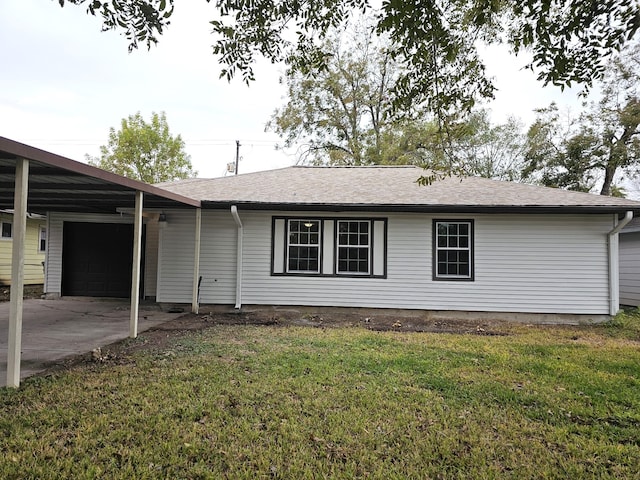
234 213
614 267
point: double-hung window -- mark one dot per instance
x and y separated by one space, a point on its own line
453 249
6 230
329 246
354 247
303 246
42 241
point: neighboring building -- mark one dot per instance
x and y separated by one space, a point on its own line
630 264
35 248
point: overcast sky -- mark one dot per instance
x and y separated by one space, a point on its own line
64 84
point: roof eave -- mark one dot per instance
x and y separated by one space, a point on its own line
20 150
334 207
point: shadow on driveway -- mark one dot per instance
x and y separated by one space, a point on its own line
55 329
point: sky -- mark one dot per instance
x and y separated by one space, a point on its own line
64 84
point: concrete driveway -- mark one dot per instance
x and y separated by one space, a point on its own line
55 329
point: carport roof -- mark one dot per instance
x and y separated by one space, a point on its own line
58 183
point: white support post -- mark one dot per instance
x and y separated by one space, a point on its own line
135 270
196 264
17 272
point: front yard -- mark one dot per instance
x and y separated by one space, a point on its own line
256 401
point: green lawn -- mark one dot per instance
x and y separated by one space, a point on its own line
301 402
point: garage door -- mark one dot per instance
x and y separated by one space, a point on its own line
96 259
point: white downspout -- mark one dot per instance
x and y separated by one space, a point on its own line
234 213
614 267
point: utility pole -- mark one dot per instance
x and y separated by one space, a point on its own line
237 155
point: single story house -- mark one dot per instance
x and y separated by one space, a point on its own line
328 236
36 245
630 264
373 237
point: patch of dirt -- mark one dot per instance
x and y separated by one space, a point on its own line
158 337
162 334
30 291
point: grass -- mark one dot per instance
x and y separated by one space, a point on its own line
276 402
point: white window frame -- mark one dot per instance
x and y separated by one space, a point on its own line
340 246
437 249
317 246
42 230
2 224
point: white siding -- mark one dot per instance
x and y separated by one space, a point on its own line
175 256
630 269
151 258
53 276
523 263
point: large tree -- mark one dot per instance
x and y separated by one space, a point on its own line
601 145
145 151
435 40
343 115
478 147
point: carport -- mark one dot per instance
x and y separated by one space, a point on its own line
36 181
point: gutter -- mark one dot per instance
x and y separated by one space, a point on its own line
614 266
236 217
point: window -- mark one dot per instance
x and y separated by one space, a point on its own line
42 243
6 230
354 247
453 249
303 246
329 246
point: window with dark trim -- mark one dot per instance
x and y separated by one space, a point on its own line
6 230
354 247
303 246
453 249
329 246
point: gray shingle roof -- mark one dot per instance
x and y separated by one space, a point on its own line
385 187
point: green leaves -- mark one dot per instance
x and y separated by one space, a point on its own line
145 151
140 20
601 146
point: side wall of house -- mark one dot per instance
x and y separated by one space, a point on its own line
523 263
630 269
33 257
217 257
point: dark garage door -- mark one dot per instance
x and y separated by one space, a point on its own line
96 259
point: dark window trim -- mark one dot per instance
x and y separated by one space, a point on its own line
434 251
335 241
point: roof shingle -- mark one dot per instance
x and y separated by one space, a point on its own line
392 187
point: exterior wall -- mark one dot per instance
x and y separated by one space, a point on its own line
630 269
523 263
33 258
217 257
151 259
53 274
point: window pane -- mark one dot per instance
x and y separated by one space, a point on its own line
353 246
6 230
303 248
453 249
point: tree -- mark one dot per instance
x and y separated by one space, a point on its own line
145 151
600 145
343 115
436 41
476 147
